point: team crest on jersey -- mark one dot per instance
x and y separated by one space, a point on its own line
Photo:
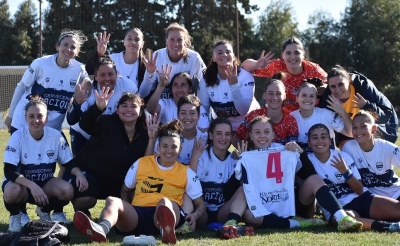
338 175
212 94
379 165
50 153
72 83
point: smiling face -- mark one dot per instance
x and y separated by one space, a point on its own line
261 134
106 76
307 98
223 55
363 130
188 116
319 141
68 48
175 43
133 41
180 88
169 149
128 111
293 55
221 136
274 96
340 87
36 117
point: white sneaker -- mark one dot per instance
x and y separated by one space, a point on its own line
141 240
24 219
60 216
43 215
15 223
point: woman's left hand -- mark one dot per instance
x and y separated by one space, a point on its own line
191 219
336 105
231 75
81 182
339 163
293 146
153 123
359 101
103 97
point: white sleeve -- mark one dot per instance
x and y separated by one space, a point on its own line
203 95
336 122
243 93
12 155
193 187
18 92
129 85
238 169
394 153
204 121
130 177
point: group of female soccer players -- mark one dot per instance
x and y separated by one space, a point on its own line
164 158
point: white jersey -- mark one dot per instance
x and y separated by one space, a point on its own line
192 189
319 116
376 166
214 174
37 158
187 147
169 111
54 84
194 66
237 100
122 86
268 181
334 179
129 71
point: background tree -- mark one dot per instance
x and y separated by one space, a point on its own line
6 32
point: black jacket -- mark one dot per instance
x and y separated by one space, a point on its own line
376 102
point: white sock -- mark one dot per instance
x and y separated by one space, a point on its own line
340 214
294 223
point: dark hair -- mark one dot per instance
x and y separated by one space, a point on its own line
172 128
130 97
211 72
141 54
221 119
260 118
370 117
105 60
189 99
292 40
317 126
338 70
307 85
77 34
35 100
185 76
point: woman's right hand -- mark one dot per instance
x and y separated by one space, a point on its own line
39 196
198 147
102 42
164 75
80 95
103 98
264 60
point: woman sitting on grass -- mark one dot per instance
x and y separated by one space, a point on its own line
339 172
159 183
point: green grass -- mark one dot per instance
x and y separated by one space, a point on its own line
321 236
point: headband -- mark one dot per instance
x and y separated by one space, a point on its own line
68 34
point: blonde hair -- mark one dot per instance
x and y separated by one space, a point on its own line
187 38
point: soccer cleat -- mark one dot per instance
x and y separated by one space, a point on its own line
42 215
60 216
24 219
141 240
183 229
394 227
306 223
88 228
231 229
166 220
15 223
348 223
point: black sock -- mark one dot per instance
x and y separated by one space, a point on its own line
22 208
380 226
328 200
234 216
275 222
12 208
54 203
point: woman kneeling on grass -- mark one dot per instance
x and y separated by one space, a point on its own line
340 173
29 165
159 182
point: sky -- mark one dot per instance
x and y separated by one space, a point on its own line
302 8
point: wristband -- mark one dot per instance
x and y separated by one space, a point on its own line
347 175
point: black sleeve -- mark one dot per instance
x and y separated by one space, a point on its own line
70 165
10 172
74 113
307 168
91 64
89 119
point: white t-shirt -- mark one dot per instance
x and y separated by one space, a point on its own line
376 166
54 84
334 179
214 174
192 189
187 147
237 100
129 71
122 86
194 66
37 159
319 116
169 111
268 181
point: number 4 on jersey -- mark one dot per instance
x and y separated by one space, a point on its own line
274 169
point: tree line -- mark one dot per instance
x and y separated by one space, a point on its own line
366 38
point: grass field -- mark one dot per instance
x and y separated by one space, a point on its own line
320 236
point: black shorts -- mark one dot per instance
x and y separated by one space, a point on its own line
361 204
307 169
30 200
145 224
302 210
212 216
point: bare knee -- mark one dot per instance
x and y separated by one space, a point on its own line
14 193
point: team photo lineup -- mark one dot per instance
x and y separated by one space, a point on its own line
174 145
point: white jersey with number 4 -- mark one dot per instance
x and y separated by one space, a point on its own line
268 181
